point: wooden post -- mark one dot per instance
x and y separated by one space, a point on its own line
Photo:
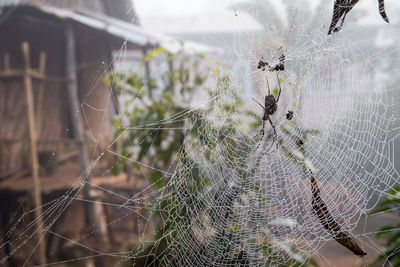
34 153
77 125
40 98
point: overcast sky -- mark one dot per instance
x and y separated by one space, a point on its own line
179 7
171 16
193 16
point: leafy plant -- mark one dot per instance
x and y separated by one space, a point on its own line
147 105
390 233
161 126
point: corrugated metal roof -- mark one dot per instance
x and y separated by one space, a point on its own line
120 9
127 31
4 3
113 26
94 5
123 30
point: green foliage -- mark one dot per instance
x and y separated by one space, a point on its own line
163 124
390 233
148 103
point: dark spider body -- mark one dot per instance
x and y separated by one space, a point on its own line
281 65
263 65
299 142
289 115
270 106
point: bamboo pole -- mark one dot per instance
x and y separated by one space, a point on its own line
40 99
34 154
78 131
74 109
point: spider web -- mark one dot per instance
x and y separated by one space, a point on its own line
227 203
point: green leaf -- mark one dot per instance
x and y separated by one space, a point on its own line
384 230
116 124
275 91
157 51
156 179
379 210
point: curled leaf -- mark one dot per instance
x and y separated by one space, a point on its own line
320 209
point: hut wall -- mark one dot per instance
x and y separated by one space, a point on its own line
46 34
13 149
94 60
51 126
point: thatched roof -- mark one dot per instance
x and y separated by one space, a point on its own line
120 9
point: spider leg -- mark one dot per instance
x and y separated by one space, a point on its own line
269 90
258 103
275 137
261 133
269 151
280 89
273 127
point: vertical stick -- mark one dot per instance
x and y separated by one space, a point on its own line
40 99
147 72
78 131
34 154
171 73
74 109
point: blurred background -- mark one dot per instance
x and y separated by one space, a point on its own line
68 174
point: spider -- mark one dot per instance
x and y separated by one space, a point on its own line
269 108
289 115
263 65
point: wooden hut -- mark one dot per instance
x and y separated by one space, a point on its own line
55 116
46 28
